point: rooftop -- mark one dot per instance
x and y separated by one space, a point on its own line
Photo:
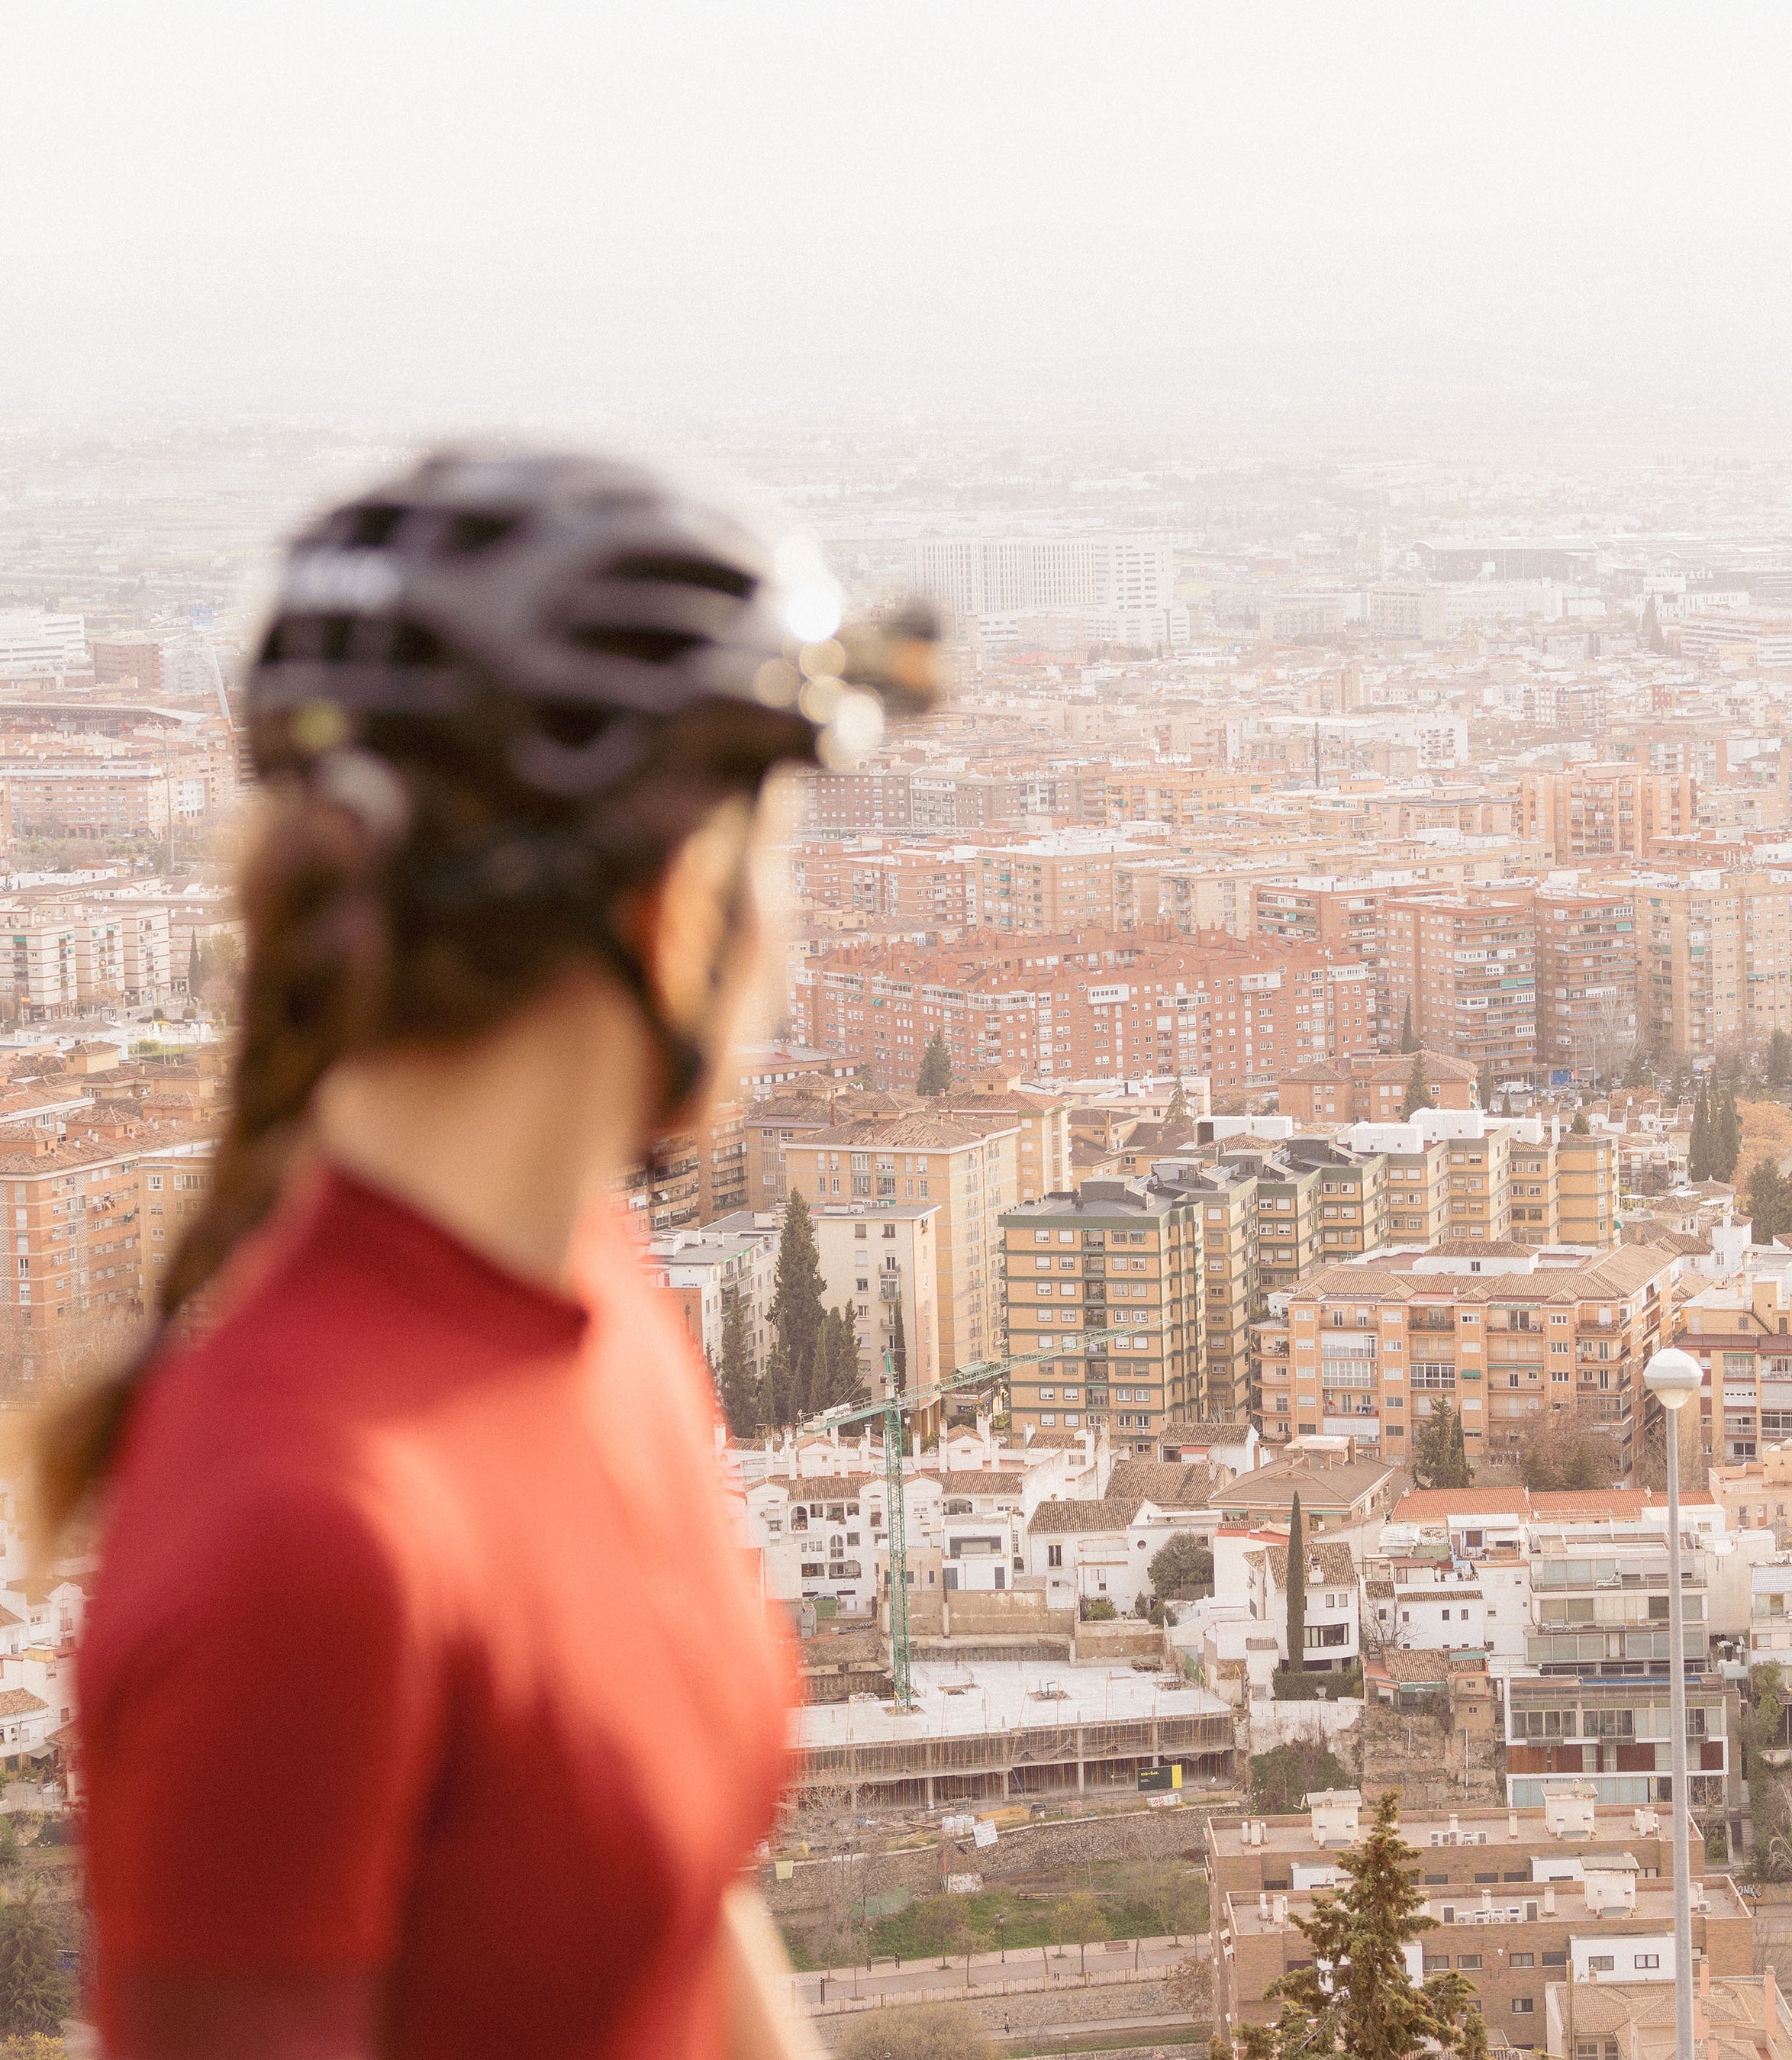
1005 1695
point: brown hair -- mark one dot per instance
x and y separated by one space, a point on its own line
354 945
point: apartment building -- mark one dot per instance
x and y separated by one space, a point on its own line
1740 1331
706 1272
880 1260
1041 1146
1047 887
1225 1197
1372 1348
1181 799
1588 963
965 1165
1599 1601
1416 1183
1467 964
1287 1214
1518 1898
1366 1087
1586 813
1569 1733
1716 971
1104 1309
1081 1006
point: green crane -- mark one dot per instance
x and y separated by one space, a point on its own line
892 1411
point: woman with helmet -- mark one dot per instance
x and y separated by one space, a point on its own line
427 1705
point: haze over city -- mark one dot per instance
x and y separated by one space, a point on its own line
1254 1076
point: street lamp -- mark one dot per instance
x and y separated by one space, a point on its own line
1673 1377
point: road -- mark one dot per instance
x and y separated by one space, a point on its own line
1025 1970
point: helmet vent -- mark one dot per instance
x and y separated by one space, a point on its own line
646 646
369 527
672 571
474 530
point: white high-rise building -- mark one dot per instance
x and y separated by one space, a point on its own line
33 642
1124 576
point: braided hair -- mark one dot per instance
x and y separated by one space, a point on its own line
427 913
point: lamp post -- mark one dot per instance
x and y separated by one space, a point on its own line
1673 1377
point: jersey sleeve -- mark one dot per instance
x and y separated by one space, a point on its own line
264 1761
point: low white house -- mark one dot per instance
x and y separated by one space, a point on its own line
1333 1639
1102 1551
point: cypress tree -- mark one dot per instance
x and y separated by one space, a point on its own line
1484 1085
1729 1143
899 1350
195 967
737 1385
1178 1110
1766 1200
1408 1042
797 1313
1698 1144
1297 1587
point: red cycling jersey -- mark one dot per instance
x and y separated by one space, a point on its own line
422 1645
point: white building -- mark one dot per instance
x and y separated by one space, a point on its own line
34 643
876 1261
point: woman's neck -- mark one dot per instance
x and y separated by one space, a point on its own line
506 1140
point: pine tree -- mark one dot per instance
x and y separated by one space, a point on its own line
1178 1110
1297 1587
35 1995
741 1393
936 1076
1580 1128
1408 1042
1353 1994
1505 1102
1418 1089
797 1313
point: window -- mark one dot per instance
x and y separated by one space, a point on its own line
1522 1960
1469 1961
1646 1959
1523 2005
1601 1963
1054 1556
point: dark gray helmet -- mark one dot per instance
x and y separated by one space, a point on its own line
572 586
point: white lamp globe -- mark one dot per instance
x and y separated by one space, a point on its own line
1672 1375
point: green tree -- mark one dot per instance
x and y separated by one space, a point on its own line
1768 1200
899 1350
195 966
1636 1070
1096 1609
1440 1458
1178 1110
1727 1143
1698 1142
1408 1042
1282 1780
1182 1566
1079 1918
796 1312
1354 1995
1505 1102
1779 1059
1579 1127
35 1995
936 1076
1297 1586
836 1384
1418 1089
739 1388
1559 1452
1484 1086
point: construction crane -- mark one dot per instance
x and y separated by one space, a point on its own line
892 1411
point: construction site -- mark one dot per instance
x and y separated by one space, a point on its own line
1009 1731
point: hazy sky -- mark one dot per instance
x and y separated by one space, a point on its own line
502 206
